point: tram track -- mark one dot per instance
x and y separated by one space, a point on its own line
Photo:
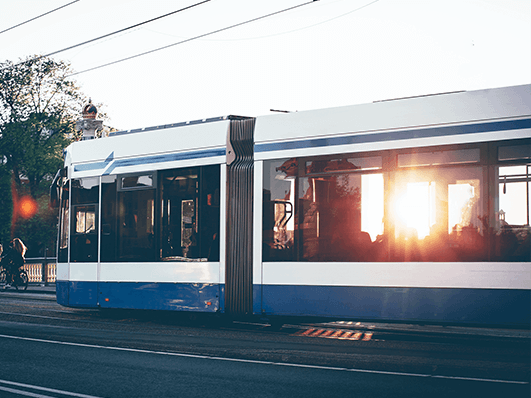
340 330
358 344
154 323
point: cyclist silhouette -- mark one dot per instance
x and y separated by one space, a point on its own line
13 260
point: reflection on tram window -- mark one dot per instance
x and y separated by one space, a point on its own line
512 241
279 206
416 209
136 225
85 190
436 158
189 219
514 152
463 197
438 215
338 215
408 206
341 217
141 181
85 219
64 219
342 164
172 215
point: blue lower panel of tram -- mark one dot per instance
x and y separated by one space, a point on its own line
478 306
474 306
142 295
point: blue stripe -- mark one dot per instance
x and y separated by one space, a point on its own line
396 135
148 160
481 306
95 165
91 166
200 297
165 158
467 306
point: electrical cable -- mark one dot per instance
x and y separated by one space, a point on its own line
192 38
288 31
42 15
111 34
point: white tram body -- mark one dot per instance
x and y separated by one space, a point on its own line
413 209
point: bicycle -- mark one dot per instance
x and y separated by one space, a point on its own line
20 281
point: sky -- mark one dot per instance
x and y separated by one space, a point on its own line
322 54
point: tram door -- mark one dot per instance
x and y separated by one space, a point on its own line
179 214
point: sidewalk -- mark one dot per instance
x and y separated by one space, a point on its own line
437 329
40 288
34 292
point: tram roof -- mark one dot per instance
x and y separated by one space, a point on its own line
395 114
381 125
180 124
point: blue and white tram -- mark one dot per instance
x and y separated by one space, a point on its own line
414 209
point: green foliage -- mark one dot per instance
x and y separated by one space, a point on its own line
39 105
38 109
6 205
33 149
40 231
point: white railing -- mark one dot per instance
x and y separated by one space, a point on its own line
41 269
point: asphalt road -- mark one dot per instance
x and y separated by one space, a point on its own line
50 351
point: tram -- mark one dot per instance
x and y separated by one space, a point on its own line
413 209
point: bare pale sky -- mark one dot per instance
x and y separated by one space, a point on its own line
323 54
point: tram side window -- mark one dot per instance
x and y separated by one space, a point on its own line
341 210
512 241
136 218
83 230
438 215
278 210
189 214
323 209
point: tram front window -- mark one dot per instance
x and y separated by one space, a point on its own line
64 219
84 236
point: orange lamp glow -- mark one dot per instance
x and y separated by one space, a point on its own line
27 207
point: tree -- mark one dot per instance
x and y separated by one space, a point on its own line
6 204
39 105
38 109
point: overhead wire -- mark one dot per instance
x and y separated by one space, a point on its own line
325 21
111 34
288 31
37 17
192 38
